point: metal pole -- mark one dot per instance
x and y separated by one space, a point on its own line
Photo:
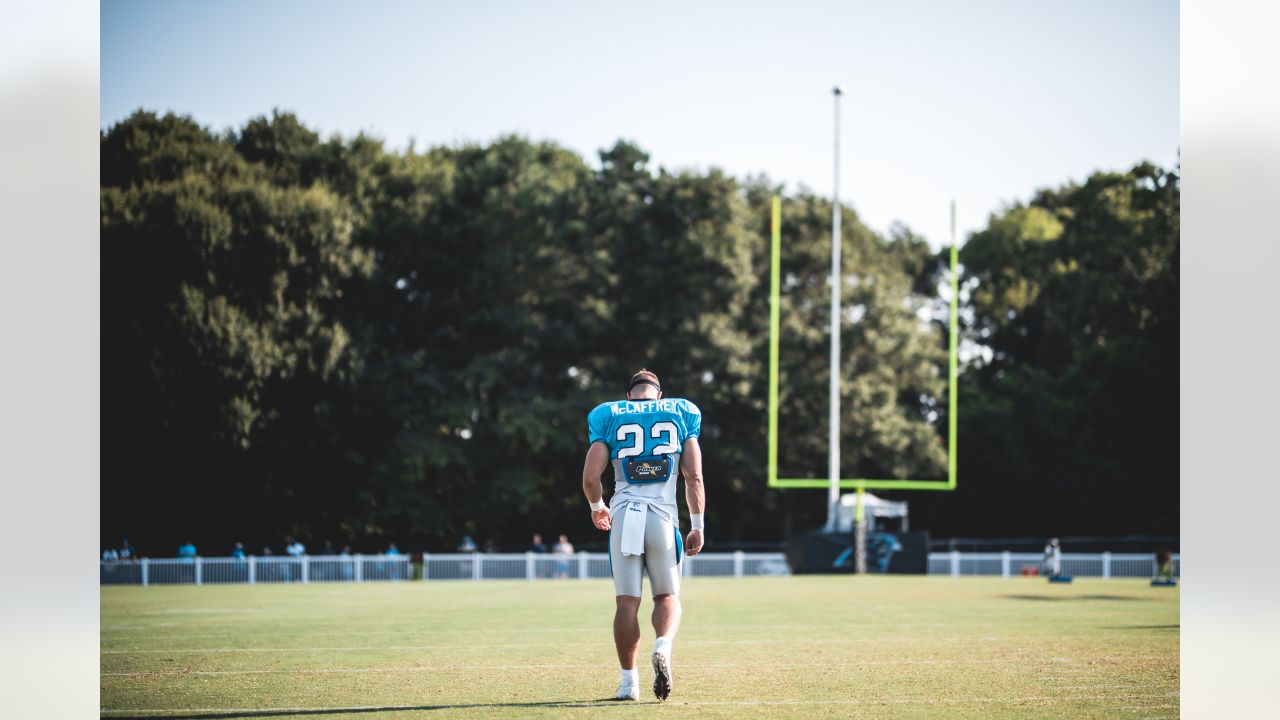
833 438
859 536
953 354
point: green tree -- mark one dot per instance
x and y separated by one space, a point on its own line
221 301
1066 427
323 338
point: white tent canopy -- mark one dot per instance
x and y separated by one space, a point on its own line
872 507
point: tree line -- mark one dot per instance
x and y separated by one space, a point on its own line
327 339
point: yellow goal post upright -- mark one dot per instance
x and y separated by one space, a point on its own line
859 484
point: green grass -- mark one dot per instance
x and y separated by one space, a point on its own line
825 646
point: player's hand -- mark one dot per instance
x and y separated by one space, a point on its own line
693 543
600 518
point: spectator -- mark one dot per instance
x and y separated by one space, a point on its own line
109 559
187 551
1053 558
237 552
490 546
295 550
1164 564
541 568
466 567
266 551
565 548
389 570
347 566
127 551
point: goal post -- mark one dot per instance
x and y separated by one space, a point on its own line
860 484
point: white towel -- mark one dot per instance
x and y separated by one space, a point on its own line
633 528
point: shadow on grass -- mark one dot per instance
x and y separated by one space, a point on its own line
303 712
1069 598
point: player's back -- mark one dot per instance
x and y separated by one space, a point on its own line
645 438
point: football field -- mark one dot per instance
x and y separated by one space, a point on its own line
808 646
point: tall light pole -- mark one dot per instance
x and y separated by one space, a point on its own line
833 439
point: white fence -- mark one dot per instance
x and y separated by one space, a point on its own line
581 566
224 570
366 568
584 565
1007 564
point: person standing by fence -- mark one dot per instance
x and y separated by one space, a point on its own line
564 549
1164 564
1053 558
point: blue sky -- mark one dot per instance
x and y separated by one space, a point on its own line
983 102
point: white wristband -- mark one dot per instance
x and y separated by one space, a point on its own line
697 521
598 505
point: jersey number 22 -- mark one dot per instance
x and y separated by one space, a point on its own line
635 432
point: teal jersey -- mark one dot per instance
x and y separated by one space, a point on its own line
645 439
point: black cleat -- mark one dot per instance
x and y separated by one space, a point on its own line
661 675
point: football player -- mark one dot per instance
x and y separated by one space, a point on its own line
649 440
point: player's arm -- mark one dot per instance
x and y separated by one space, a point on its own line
694 493
597 460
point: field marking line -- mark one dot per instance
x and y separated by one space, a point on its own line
119 634
413 631
605 666
1095 687
1049 699
453 646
